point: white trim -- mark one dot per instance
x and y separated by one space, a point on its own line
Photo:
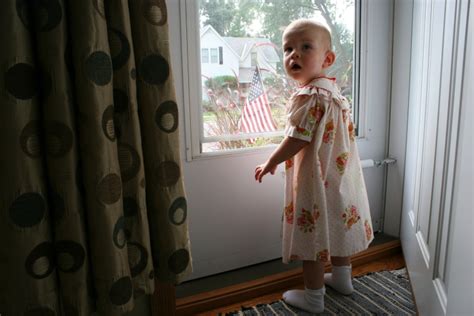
423 248
193 90
411 215
253 150
400 94
363 86
444 140
192 96
229 137
422 113
439 218
457 75
460 274
441 293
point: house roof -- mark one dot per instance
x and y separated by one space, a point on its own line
242 46
209 28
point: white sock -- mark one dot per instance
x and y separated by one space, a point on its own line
340 279
309 300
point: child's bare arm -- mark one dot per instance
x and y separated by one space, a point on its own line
287 149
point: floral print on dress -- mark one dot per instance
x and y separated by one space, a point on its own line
329 131
289 213
317 112
288 163
350 216
368 230
351 129
307 219
341 162
323 255
327 176
303 131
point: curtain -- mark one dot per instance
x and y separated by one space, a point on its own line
93 206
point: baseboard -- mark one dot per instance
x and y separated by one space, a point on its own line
194 304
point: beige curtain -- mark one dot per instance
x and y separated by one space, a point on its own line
93 207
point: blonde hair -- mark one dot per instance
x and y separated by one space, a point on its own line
320 27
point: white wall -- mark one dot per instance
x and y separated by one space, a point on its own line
247 61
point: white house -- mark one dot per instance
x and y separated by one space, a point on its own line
235 56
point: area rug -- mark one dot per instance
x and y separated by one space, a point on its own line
377 293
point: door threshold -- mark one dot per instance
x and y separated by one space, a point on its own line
205 301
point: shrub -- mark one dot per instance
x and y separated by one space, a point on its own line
221 82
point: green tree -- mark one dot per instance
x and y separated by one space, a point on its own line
246 13
277 14
218 13
229 18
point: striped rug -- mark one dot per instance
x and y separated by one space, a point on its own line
378 293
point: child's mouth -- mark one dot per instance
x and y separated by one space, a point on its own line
295 67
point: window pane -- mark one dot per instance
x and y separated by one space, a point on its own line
253 60
245 88
214 55
204 55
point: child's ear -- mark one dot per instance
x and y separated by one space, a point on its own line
330 59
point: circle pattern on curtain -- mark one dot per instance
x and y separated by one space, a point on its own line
63 89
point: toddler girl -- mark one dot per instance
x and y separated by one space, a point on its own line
326 214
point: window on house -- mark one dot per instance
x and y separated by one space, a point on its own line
204 55
253 59
214 55
244 82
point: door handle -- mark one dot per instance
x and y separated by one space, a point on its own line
369 163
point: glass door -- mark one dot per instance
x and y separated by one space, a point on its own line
234 221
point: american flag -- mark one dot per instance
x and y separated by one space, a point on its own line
256 115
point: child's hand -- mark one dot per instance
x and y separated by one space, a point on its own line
263 169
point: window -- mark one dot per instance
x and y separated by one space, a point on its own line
250 32
253 59
214 55
204 55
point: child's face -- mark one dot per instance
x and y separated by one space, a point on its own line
306 53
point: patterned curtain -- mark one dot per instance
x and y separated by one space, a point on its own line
92 207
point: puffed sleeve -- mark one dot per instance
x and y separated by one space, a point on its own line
304 114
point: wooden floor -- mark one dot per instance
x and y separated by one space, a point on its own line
391 262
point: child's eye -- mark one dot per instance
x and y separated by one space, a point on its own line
287 50
306 46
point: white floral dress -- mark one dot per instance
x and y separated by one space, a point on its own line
326 205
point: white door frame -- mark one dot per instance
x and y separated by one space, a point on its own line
427 102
